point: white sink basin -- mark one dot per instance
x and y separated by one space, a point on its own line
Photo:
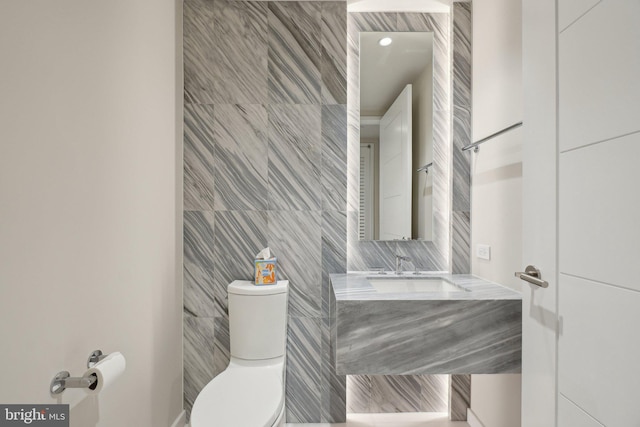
401 285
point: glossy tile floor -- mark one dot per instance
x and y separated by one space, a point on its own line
414 419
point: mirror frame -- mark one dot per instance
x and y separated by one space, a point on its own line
427 255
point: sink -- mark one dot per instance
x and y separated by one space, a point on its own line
404 285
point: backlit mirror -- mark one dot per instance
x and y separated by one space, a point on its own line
396 136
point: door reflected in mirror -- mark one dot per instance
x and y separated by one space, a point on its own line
396 136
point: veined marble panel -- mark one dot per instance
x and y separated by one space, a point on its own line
295 157
296 239
294 52
461 159
476 331
198 157
365 254
240 54
353 158
334 242
434 393
437 23
332 385
424 257
459 397
461 237
198 292
334 52
303 370
372 21
241 165
249 60
442 185
199 44
198 264
353 115
429 336
334 255
334 252
222 344
239 237
462 53
334 157
359 393
461 197
395 393
198 356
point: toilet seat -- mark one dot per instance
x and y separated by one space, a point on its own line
240 396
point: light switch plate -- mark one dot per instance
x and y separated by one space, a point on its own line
483 252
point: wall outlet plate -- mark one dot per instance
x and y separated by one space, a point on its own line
483 252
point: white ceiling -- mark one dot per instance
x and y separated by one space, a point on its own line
385 71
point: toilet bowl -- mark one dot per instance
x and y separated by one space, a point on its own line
250 392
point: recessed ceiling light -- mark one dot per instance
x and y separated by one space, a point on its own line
385 41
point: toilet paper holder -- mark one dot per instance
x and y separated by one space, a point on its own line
63 380
94 358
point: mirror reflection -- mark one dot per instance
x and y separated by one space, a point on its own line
396 135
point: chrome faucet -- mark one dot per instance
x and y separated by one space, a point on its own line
399 259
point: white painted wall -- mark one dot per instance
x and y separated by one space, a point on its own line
495 399
496 202
496 190
90 203
497 169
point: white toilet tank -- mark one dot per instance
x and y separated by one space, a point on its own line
258 319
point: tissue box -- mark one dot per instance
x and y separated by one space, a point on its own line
265 271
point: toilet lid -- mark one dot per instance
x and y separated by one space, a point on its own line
240 397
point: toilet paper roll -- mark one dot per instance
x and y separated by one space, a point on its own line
106 372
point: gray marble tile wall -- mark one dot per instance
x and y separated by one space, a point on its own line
450 248
460 393
459 397
397 393
431 255
265 164
461 195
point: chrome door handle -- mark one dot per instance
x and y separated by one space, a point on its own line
532 275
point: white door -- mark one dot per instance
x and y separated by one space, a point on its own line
395 169
580 156
599 206
539 221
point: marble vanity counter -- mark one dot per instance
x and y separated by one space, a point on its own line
472 329
356 286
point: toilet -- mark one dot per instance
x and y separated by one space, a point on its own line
251 391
